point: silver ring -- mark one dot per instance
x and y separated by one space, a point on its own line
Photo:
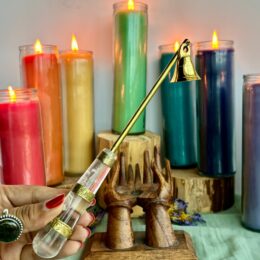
11 227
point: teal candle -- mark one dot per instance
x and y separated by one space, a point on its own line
130 56
178 106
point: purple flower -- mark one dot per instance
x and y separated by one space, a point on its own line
181 204
198 218
179 215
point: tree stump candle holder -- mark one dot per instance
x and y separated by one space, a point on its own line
203 194
133 146
122 190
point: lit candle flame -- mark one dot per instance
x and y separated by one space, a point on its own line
74 44
131 5
38 46
12 94
214 40
176 46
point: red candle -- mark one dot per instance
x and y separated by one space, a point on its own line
40 70
21 138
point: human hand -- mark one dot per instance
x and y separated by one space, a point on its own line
36 206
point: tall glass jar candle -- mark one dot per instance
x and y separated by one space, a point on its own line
21 137
251 152
78 125
215 106
40 70
178 106
130 56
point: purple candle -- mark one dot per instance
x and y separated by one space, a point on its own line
251 152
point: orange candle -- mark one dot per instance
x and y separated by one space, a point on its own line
39 66
77 97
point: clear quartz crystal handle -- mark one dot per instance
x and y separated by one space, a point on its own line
50 240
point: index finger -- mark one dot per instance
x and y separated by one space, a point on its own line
19 195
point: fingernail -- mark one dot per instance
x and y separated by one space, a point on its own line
93 202
93 218
55 202
88 231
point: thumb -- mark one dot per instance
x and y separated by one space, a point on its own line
36 216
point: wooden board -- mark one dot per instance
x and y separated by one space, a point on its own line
96 249
204 194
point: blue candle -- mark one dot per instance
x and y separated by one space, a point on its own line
251 152
178 106
215 104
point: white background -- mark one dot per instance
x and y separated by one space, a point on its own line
53 21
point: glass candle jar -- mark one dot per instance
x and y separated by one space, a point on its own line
40 70
215 109
251 152
78 122
178 107
130 57
21 137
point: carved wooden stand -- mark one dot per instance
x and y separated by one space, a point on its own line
96 249
133 147
124 188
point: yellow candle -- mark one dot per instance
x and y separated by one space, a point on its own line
77 94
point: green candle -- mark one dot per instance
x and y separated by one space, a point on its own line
130 45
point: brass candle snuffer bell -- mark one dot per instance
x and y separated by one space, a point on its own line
50 240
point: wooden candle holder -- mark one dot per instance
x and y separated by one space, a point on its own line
203 194
133 146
